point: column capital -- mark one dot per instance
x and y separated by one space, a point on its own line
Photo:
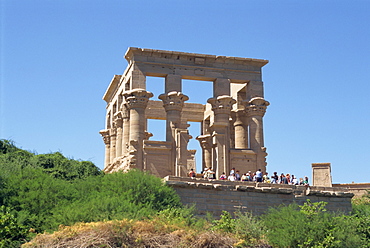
105 135
221 104
256 106
205 141
173 100
137 98
118 119
238 115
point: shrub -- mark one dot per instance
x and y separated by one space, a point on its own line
310 226
12 234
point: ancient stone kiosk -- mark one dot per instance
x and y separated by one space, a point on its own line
231 132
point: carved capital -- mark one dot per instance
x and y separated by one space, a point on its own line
124 111
173 100
105 135
205 141
147 135
256 106
221 104
137 98
118 119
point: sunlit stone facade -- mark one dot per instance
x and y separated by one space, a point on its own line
231 132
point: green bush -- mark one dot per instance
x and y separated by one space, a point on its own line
310 226
12 234
361 213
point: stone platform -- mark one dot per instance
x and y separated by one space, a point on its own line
217 195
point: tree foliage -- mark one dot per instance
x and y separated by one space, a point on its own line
49 190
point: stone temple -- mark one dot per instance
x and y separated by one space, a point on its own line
231 121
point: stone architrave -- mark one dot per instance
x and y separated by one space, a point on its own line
221 107
137 101
255 110
321 174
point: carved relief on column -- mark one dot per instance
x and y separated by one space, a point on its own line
136 101
106 138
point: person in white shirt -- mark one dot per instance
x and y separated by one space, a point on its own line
231 177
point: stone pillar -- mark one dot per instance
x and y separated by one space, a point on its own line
118 123
182 152
138 79
106 139
241 130
255 110
137 101
113 136
173 102
321 175
125 128
173 83
221 87
221 107
206 144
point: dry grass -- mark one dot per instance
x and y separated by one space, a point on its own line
126 233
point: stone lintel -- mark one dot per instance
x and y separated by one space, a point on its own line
157 145
112 88
190 111
173 57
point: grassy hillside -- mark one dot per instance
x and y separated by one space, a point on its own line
49 200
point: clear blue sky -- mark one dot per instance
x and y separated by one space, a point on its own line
58 57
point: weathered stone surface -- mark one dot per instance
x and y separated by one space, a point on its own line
236 82
218 195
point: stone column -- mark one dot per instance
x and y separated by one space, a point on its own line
106 139
255 110
118 123
206 144
221 107
241 130
173 102
137 101
126 128
182 152
113 135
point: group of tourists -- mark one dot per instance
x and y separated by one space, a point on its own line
257 176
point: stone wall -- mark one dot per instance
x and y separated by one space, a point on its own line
216 196
358 189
